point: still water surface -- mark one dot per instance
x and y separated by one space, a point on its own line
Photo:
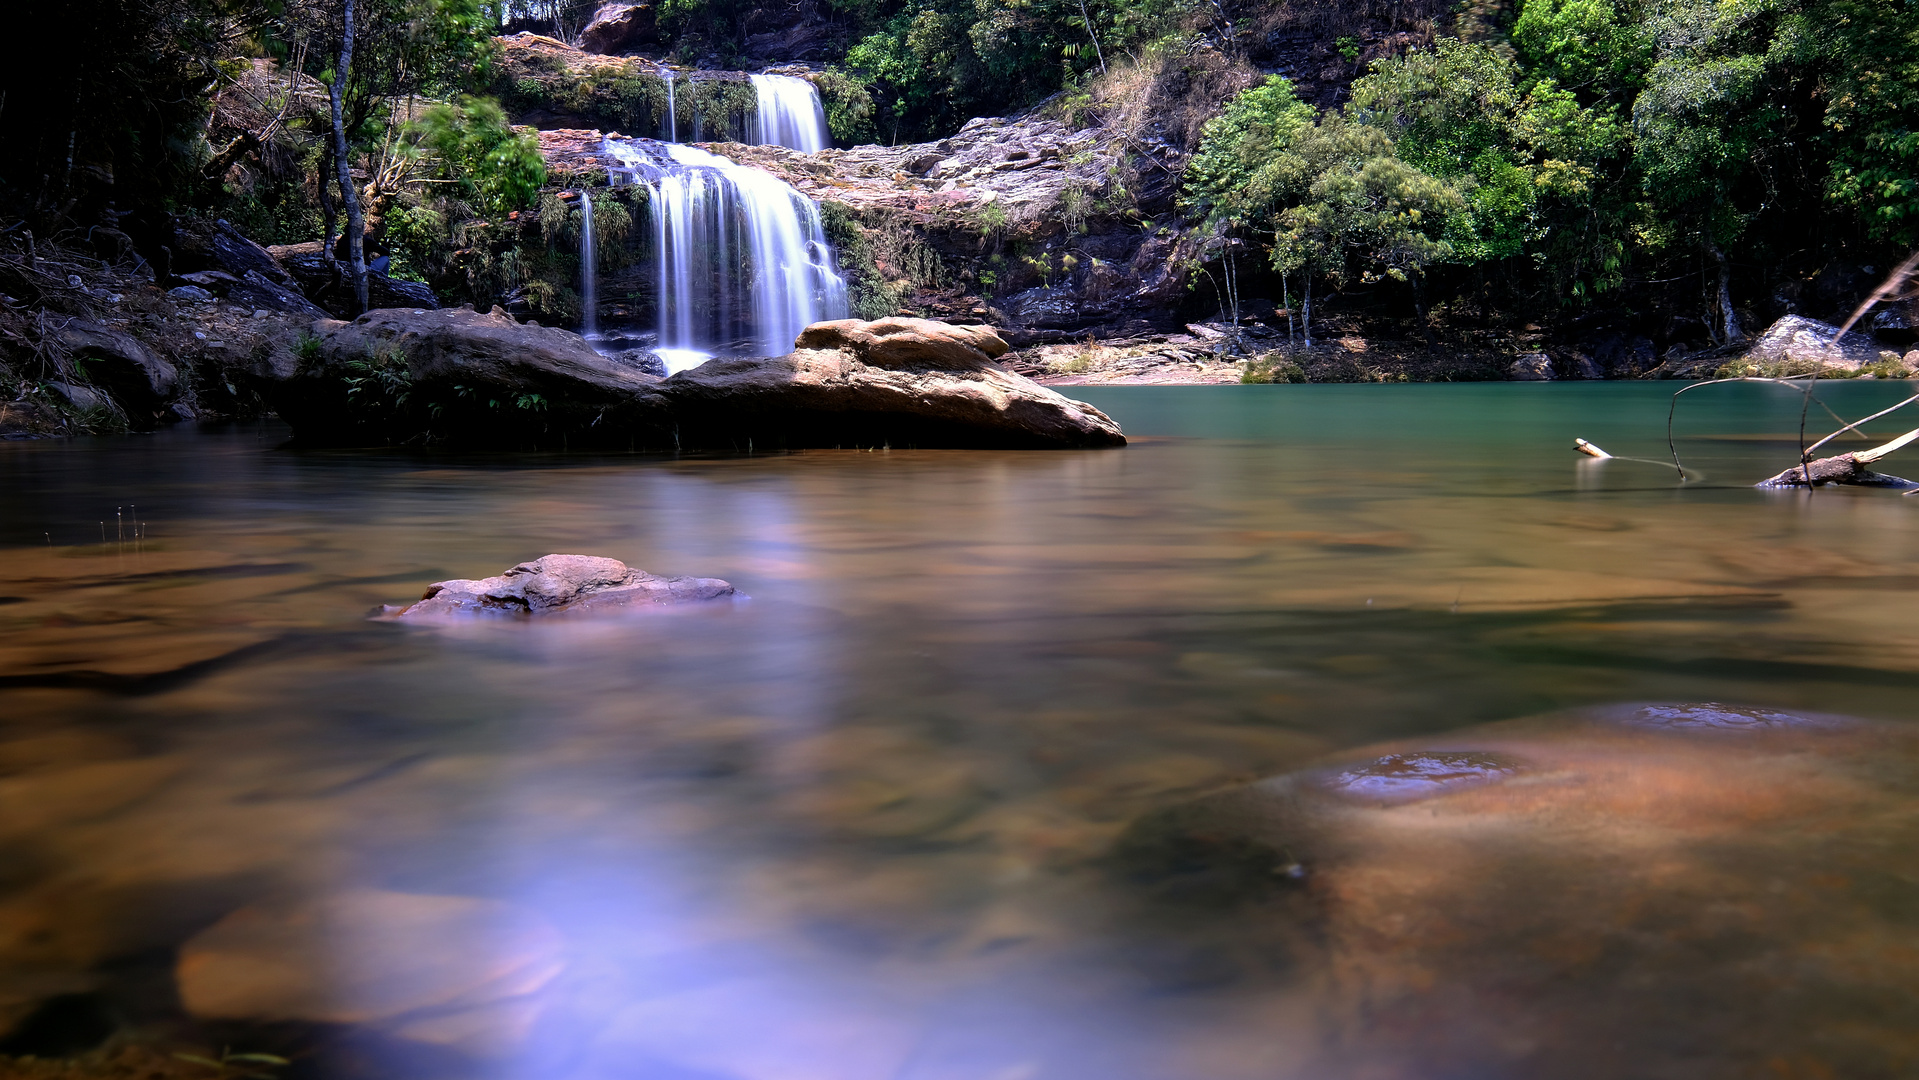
860 826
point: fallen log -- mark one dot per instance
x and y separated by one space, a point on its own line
1842 469
1845 469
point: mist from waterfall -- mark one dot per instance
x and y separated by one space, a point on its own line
788 113
740 255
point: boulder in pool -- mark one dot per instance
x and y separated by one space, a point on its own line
558 585
463 378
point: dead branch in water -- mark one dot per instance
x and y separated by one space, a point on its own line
1843 468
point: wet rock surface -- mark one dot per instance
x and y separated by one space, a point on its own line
560 584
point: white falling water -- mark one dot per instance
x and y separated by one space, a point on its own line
672 116
788 113
740 254
589 270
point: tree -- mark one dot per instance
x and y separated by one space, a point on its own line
372 54
336 96
1364 213
495 166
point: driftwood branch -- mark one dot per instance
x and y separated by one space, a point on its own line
1845 469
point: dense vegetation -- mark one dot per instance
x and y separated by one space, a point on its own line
1594 142
1686 167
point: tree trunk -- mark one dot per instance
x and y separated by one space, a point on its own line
1306 310
355 224
1286 293
1097 51
328 215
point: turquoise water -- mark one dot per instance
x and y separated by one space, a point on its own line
860 826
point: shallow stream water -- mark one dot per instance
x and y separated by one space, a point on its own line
859 825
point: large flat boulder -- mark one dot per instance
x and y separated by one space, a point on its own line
465 378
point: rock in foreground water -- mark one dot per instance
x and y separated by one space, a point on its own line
561 584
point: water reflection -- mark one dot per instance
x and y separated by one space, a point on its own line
865 824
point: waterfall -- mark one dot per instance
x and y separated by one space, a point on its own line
739 253
788 113
589 269
672 117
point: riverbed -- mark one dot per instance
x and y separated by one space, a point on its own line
859 824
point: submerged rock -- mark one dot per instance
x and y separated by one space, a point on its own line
1546 885
446 970
555 584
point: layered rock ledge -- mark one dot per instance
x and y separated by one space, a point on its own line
464 378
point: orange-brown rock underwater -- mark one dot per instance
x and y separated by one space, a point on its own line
1693 889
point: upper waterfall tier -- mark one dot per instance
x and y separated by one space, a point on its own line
788 113
740 254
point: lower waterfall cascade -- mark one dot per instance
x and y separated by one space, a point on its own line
741 259
740 255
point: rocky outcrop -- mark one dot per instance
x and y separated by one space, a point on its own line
465 378
118 363
1805 345
618 28
199 244
307 266
255 292
560 584
1531 367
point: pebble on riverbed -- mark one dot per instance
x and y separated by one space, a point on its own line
557 584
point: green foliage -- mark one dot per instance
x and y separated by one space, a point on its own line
848 105
1869 60
379 386
497 167
1255 127
1363 212
1271 368
418 235
1590 47
934 64
307 350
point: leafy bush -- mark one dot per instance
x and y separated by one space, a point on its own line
497 167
